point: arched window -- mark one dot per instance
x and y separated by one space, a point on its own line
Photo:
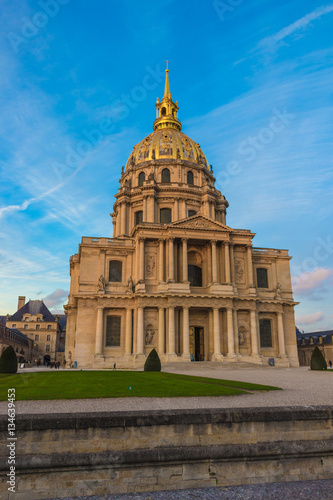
194 269
138 217
163 111
165 175
189 177
115 271
141 178
265 329
191 213
165 215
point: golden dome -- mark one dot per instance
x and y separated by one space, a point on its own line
167 141
165 144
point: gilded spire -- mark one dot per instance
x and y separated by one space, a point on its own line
167 110
167 92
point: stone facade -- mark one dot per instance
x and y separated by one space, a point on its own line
67 455
306 343
174 276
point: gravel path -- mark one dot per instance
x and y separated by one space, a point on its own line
302 490
301 387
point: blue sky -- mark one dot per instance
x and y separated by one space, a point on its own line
79 82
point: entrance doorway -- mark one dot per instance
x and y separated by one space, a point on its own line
197 343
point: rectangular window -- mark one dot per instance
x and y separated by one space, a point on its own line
265 327
262 280
115 271
47 348
48 338
37 327
26 327
36 337
49 327
13 325
165 215
113 331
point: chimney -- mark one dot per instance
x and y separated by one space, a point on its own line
21 302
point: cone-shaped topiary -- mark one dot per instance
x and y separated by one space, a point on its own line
153 362
317 360
8 361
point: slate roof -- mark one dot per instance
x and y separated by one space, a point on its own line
3 320
33 307
62 321
327 336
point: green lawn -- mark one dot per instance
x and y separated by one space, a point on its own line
115 384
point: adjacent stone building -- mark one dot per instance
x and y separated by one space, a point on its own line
39 324
175 276
306 342
22 345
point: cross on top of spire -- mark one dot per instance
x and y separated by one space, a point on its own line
167 63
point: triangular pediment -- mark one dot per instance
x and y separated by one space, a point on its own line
200 222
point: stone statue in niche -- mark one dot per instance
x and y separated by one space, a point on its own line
101 283
150 332
130 285
241 335
151 176
150 265
239 270
278 290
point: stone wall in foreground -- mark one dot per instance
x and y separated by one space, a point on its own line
86 454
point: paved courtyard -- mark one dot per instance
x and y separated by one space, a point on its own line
301 387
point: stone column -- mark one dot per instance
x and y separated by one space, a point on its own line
249 265
141 260
217 340
171 277
172 337
128 332
161 331
232 264
227 262
186 332
161 262
185 266
282 347
114 227
236 331
152 209
144 214
254 334
214 262
139 340
176 216
230 332
99 331
123 218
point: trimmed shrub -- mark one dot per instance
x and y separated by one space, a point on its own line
317 360
8 361
153 362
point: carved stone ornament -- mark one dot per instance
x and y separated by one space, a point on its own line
150 265
239 270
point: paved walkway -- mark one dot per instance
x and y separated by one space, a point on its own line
301 387
302 490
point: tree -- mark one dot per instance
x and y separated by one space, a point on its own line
317 360
8 361
153 362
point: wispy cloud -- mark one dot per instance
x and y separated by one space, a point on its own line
57 298
310 319
311 282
